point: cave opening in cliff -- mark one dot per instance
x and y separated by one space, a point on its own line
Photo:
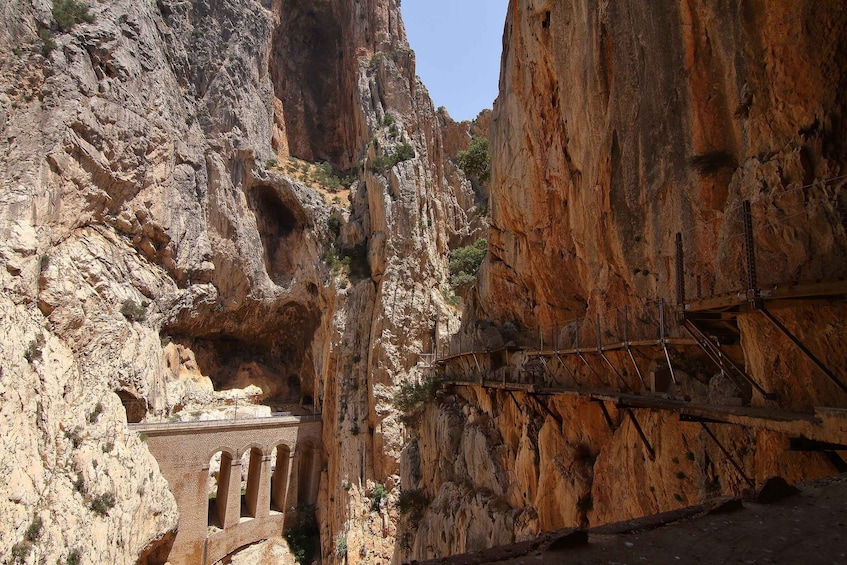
267 363
307 67
135 407
280 224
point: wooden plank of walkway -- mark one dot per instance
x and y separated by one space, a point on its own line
825 424
732 300
671 341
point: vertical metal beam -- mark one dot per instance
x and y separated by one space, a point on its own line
728 456
651 452
750 253
680 271
576 337
599 342
555 336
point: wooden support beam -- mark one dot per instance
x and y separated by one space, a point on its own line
700 419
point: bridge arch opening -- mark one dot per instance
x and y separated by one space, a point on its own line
220 479
308 473
251 482
280 459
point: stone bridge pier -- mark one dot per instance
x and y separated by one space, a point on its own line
284 465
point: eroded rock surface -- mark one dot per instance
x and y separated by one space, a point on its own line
619 125
161 252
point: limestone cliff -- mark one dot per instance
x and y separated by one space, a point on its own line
166 246
619 125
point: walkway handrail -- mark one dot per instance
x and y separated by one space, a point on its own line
228 422
648 320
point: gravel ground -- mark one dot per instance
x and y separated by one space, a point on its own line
807 528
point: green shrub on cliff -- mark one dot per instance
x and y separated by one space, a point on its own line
68 13
402 152
412 397
303 533
412 503
476 160
465 261
378 494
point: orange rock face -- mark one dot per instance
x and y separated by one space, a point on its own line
619 125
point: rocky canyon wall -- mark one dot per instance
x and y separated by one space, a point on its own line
164 248
619 125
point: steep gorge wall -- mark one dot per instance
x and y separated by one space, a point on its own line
602 111
618 125
152 237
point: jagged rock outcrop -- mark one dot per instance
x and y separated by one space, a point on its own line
158 242
618 125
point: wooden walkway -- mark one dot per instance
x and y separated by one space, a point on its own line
827 425
619 346
737 301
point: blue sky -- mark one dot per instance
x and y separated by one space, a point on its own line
457 45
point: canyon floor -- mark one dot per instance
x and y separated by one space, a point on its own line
809 527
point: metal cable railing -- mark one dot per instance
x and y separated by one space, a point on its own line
199 424
652 320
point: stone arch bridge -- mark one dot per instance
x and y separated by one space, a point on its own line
284 471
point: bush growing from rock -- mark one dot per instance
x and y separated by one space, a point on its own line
465 261
302 533
133 311
101 504
68 13
378 494
476 160
412 397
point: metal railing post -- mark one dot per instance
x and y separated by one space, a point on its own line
753 293
680 271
